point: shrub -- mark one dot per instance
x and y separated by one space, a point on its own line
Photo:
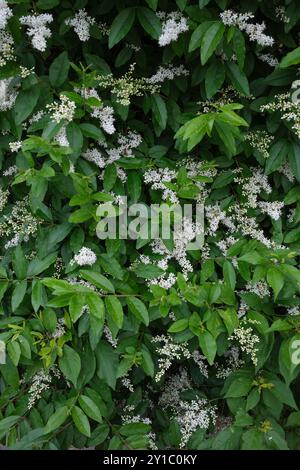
147 343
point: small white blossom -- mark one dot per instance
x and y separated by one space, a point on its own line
81 24
85 256
255 31
37 29
64 110
15 146
173 24
5 13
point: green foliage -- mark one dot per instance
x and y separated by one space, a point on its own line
115 343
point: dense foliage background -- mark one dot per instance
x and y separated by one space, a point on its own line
125 344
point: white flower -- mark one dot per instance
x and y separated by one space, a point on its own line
85 256
81 24
269 59
255 31
64 110
5 13
61 137
15 146
37 29
273 209
106 116
8 94
168 73
173 24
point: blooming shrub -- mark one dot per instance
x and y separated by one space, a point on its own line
145 343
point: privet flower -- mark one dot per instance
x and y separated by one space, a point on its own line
63 110
3 198
6 47
123 88
8 94
5 13
168 352
255 31
260 141
85 256
37 29
81 24
192 415
106 117
290 111
15 146
173 24
168 72
247 340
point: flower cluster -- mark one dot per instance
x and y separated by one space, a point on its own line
63 110
81 24
260 141
247 340
5 13
255 31
173 24
85 256
40 383
168 352
290 110
123 88
37 29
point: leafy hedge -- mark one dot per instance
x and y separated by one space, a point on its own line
121 344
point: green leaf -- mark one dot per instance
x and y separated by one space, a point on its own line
107 362
121 26
159 111
76 304
292 58
239 387
179 325
230 318
36 266
138 309
147 361
57 419
96 306
229 274
238 43
198 34
149 22
14 351
25 103
147 271
237 78
275 280
59 69
37 294
81 421
214 79
70 364
97 280
92 131
7 423
19 262
211 39
90 408
208 345
18 294
111 266
114 309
